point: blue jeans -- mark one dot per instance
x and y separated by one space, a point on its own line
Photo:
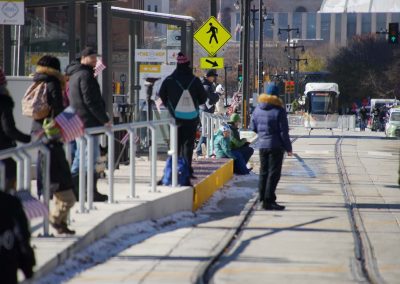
96 154
246 152
239 166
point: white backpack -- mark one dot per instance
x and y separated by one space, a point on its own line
186 109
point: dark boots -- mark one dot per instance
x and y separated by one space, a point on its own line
97 196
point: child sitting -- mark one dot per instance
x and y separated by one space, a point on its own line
237 144
223 150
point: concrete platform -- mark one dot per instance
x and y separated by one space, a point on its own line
52 251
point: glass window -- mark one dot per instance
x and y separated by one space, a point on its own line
351 25
381 22
325 26
297 20
338 29
283 23
311 25
269 28
395 18
365 23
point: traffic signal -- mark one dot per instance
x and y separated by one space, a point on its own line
240 72
289 87
393 33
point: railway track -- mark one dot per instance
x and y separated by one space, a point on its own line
363 249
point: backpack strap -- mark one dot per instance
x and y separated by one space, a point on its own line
180 85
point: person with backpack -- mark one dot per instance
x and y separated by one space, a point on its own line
269 121
15 249
182 93
48 76
210 105
85 97
9 134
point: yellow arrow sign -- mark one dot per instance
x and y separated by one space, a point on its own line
212 35
211 62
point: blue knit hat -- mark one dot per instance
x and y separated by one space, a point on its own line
272 89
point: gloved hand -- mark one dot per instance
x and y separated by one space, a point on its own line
51 129
220 89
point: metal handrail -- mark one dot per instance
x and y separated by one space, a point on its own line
87 141
210 122
23 159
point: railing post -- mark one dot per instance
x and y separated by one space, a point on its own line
2 176
132 161
20 170
82 175
209 134
46 188
90 170
174 152
27 170
153 158
111 161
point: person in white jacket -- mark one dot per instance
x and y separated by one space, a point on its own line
220 105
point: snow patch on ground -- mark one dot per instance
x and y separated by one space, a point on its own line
126 236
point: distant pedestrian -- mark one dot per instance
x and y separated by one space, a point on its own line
220 105
222 147
363 118
15 249
48 71
270 122
182 93
237 144
85 97
9 134
208 82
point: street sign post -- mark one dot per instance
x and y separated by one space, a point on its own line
212 63
212 35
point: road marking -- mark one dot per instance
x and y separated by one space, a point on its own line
314 152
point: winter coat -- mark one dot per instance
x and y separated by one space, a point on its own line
269 120
170 92
236 142
212 97
55 86
17 252
8 132
60 174
222 146
85 95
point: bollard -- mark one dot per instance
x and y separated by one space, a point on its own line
82 175
90 171
111 154
132 162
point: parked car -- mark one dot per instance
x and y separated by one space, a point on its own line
392 128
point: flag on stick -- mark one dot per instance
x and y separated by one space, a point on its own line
70 123
99 67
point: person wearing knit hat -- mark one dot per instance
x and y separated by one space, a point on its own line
9 133
182 82
241 145
269 121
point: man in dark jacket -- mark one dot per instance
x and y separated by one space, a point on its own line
85 97
212 98
270 122
15 249
8 132
170 93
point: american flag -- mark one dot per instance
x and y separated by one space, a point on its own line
70 123
99 67
126 139
33 208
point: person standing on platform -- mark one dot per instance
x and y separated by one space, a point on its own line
85 97
209 106
269 121
8 132
182 82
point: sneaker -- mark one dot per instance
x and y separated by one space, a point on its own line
98 197
273 206
62 228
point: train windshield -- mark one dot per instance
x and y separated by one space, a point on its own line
395 116
322 103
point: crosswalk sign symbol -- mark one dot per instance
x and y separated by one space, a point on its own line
212 35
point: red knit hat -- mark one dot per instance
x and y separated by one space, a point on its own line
3 80
182 59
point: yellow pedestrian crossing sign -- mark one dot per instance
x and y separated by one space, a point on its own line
211 62
212 35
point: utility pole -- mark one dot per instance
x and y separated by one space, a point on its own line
246 61
294 46
263 18
253 24
213 8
